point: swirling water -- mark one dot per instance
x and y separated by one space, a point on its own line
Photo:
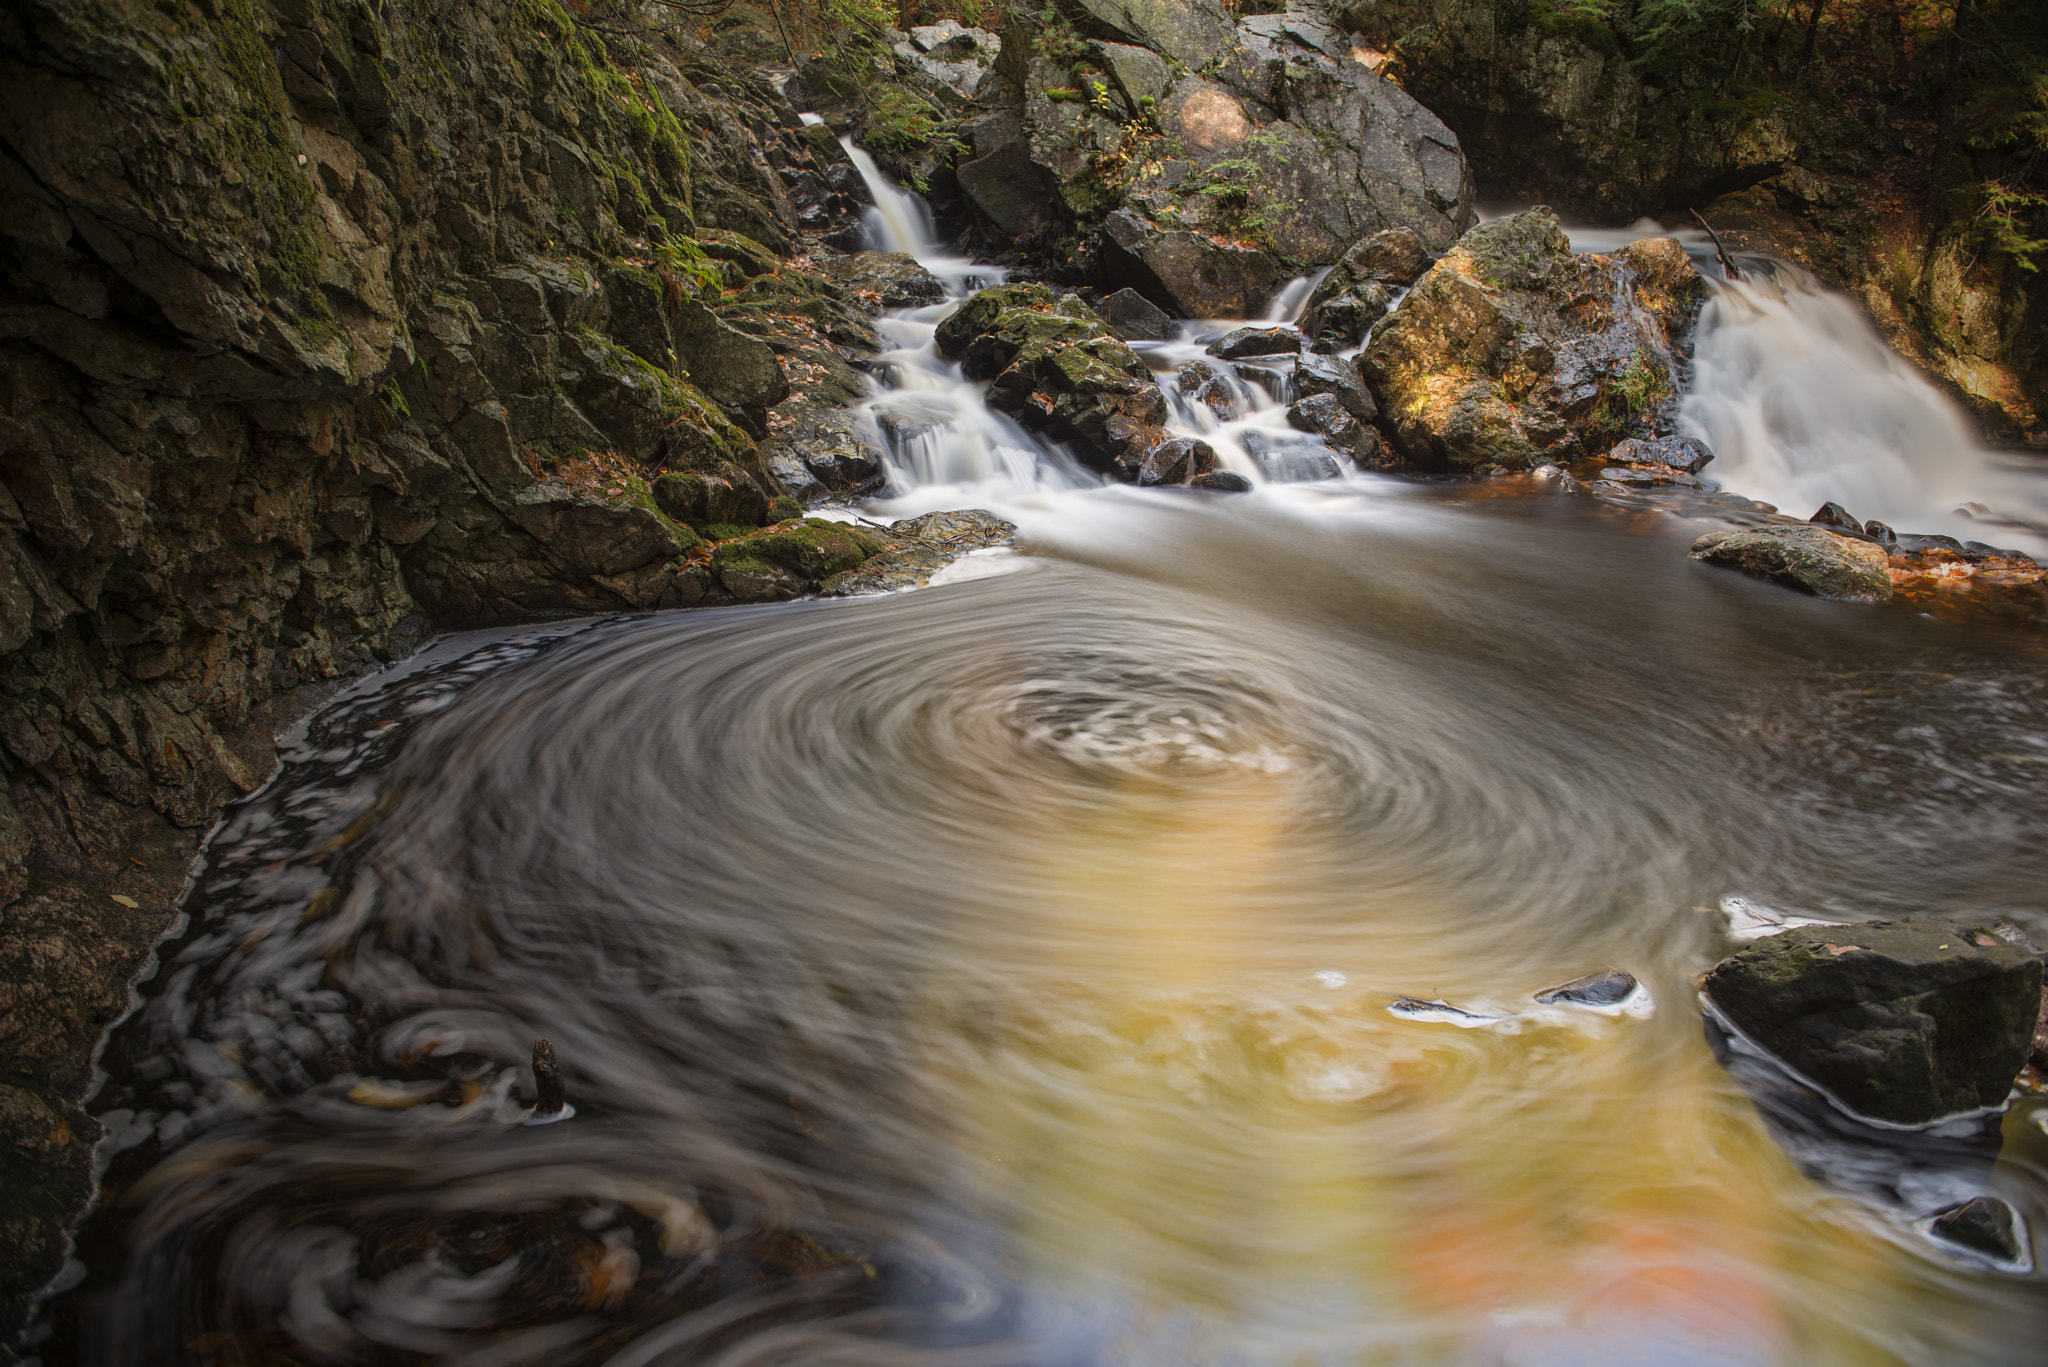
1000 973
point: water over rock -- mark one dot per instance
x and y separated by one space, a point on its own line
1904 1022
1512 351
1056 367
1361 287
1823 563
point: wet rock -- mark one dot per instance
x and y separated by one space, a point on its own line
726 496
916 548
1901 1022
1647 477
791 559
1437 1011
1188 273
1177 461
1608 988
1361 287
887 280
1058 370
1018 193
1204 384
1836 516
825 453
1879 532
1339 378
1256 341
1222 482
1511 345
1813 559
1323 415
1135 318
1983 1224
1683 454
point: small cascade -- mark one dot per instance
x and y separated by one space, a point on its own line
947 448
1802 403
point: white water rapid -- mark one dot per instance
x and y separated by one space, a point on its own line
1802 402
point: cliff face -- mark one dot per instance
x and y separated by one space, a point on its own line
321 321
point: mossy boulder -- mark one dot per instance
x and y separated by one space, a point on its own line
723 496
1904 1022
1512 350
791 558
1812 559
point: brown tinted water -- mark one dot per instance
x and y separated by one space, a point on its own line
999 972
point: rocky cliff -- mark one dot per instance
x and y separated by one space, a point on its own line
324 321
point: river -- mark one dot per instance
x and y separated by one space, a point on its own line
1000 972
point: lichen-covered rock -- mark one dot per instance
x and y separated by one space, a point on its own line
1512 351
1905 1022
1814 559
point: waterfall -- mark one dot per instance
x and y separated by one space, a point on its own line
1802 402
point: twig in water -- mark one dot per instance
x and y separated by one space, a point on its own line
551 1093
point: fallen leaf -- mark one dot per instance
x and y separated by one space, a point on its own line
124 901
1839 950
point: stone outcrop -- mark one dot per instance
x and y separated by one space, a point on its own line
1904 1022
321 323
1361 287
1512 351
1206 158
1813 559
1055 366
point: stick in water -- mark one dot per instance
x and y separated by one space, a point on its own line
552 1093
1720 252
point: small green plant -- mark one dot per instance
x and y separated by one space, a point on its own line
394 399
685 259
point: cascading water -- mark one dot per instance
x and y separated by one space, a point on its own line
1802 403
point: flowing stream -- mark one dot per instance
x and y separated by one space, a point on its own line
1000 973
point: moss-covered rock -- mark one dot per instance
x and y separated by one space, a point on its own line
790 559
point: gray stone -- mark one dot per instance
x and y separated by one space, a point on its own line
1813 559
1186 272
1256 341
1904 1022
1222 482
1983 1224
1179 460
1323 415
1608 988
894 279
1338 377
1135 318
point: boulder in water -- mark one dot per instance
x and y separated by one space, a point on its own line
1512 351
916 548
1361 287
1902 1022
1820 562
790 559
1608 988
1222 482
1983 1224
1256 341
1683 454
1339 378
1203 383
1323 415
1834 515
1135 318
1177 461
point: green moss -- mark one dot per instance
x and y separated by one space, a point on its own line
812 549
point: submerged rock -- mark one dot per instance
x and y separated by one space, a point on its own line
1907 1023
1609 988
1222 482
1511 351
1983 1224
1814 559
